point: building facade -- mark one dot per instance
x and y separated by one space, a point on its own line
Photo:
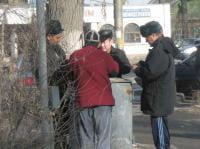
98 18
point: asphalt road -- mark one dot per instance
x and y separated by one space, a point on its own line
184 127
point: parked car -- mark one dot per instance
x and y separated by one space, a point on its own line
186 78
186 47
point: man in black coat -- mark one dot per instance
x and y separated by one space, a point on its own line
158 81
106 39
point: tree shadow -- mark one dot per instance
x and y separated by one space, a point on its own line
186 135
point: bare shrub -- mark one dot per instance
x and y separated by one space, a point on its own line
20 108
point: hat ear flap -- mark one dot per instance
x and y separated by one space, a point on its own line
144 31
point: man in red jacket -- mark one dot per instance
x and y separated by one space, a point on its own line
92 68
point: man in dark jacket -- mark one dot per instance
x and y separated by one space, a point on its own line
58 75
56 58
158 81
55 54
92 68
106 39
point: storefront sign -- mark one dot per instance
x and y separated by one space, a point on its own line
136 13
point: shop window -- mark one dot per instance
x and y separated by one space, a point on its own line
4 1
132 33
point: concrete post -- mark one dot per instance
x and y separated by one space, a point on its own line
122 132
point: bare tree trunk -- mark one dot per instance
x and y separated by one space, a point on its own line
70 14
184 19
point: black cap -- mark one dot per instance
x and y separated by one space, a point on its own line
54 27
150 28
105 34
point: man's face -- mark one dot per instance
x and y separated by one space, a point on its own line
152 38
106 45
55 39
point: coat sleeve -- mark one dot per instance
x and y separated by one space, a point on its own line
155 65
72 67
121 58
112 66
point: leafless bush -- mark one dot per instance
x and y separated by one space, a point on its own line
20 109
19 112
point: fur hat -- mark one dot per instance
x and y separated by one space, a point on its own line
150 28
105 34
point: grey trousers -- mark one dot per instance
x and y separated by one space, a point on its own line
94 128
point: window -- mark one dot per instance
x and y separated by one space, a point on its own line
132 33
14 1
86 27
191 60
4 1
111 27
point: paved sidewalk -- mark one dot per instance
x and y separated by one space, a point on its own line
148 146
184 126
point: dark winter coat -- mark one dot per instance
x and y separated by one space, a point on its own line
56 64
55 59
158 78
120 57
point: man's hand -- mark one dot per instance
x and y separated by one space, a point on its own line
136 65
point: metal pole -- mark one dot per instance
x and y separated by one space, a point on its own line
14 46
47 122
2 33
118 23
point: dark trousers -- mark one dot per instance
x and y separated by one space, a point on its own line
94 127
160 132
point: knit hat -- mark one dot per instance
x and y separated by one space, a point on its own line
54 27
150 28
105 34
92 36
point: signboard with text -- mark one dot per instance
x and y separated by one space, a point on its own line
136 13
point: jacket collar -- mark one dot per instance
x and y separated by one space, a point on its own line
113 49
155 43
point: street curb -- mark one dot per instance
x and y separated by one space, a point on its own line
148 146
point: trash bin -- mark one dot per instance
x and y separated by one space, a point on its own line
122 133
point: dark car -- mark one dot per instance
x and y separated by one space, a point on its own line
186 47
186 78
